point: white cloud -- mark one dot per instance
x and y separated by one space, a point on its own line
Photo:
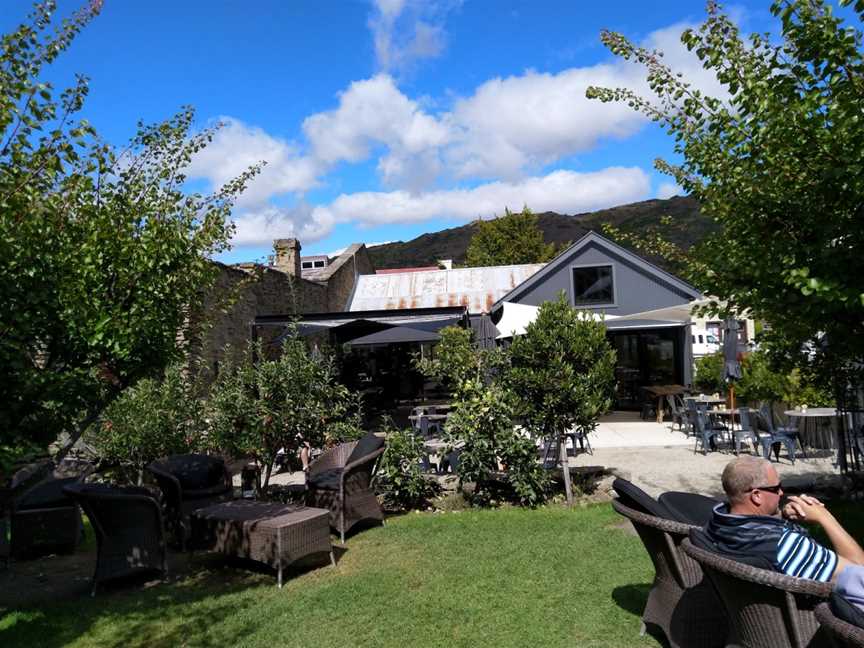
669 189
236 146
405 32
561 191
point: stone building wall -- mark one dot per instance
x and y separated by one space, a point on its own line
243 292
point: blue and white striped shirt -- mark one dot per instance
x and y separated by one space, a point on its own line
786 547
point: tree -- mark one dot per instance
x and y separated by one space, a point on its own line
152 419
507 240
102 255
563 373
778 164
258 408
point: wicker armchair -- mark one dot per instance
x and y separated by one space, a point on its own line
339 480
766 609
838 633
189 482
42 518
681 604
128 526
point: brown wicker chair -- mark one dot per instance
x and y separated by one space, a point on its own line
838 632
42 518
339 480
129 529
681 604
190 482
766 609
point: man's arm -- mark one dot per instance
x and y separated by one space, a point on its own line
808 509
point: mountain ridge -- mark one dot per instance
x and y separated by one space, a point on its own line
687 227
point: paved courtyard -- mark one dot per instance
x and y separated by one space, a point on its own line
658 458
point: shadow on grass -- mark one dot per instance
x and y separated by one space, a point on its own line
191 609
632 598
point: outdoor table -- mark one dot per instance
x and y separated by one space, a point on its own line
423 420
815 437
661 392
707 400
271 533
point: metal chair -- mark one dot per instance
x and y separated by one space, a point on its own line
746 432
679 415
706 433
774 438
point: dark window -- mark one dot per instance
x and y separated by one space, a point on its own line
592 286
307 265
319 264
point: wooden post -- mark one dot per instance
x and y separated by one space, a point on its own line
565 468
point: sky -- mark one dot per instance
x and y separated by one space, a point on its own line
381 120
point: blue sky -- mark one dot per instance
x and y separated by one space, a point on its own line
386 119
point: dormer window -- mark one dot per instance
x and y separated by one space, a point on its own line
593 286
307 265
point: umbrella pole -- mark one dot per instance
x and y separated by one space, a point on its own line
731 396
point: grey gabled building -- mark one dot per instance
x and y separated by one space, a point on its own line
596 274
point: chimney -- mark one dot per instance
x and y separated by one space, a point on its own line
287 256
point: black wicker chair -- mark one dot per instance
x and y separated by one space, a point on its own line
339 480
682 604
766 609
129 529
42 518
189 482
839 632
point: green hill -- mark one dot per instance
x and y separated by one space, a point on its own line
688 226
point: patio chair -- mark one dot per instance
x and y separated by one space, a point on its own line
706 432
765 609
841 623
688 508
129 530
42 518
189 482
774 438
339 480
679 414
681 604
746 432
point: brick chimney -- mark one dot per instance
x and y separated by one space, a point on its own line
287 257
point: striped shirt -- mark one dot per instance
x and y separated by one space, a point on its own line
771 543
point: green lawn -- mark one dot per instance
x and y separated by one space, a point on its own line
510 577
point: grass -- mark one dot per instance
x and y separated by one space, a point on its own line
508 577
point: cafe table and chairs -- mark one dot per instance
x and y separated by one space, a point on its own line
816 427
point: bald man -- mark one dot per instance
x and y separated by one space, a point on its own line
752 525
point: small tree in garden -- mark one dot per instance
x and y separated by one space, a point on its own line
152 419
509 239
259 408
708 376
481 421
562 374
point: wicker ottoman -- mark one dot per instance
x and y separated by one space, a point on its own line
271 533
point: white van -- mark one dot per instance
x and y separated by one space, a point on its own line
704 343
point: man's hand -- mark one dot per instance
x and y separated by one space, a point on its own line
805 508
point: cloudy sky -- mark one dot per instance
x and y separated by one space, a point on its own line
385 119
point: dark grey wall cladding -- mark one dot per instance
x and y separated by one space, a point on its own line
636 289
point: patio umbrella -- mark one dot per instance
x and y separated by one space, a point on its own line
731 366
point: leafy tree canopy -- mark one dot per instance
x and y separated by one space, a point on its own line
778 163
510 239
101 251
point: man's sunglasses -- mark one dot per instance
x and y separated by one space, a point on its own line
770 489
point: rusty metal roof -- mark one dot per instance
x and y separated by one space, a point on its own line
475 288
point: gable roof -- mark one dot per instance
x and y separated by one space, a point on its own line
593 238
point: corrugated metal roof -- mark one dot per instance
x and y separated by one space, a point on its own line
475 288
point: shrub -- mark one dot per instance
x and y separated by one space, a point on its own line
708 377
152 419
259 408
399 476
482 421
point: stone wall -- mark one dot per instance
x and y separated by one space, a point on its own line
243 292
